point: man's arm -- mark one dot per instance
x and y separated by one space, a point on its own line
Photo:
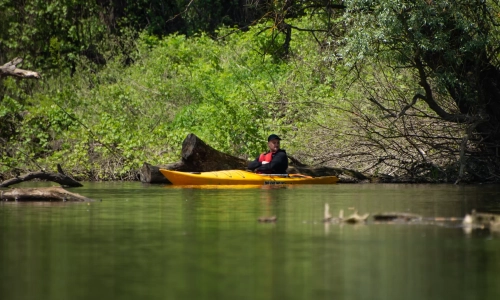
254 164
279 164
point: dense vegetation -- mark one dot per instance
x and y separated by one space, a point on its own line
405 88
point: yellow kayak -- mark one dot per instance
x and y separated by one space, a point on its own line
237 177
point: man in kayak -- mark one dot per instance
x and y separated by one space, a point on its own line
274 161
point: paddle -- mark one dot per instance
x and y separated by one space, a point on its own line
287 175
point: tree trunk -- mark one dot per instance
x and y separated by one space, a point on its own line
200 157
151 174
196 156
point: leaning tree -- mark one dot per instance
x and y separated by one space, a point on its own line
449 51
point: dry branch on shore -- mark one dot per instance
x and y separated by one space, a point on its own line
59 177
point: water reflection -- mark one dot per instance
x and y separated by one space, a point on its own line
163 242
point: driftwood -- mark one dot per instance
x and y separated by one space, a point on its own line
354 218
59 177
396 216
41 194
10 69
264 219
489 221
196 156
475 220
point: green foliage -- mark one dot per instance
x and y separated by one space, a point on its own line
105 125
452 38
49 34
445 52
122 89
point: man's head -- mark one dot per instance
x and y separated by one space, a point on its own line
273 142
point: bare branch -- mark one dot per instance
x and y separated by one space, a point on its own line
429 99
10 69
60 178
382 107
307 30
408 106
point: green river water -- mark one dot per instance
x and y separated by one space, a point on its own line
163 242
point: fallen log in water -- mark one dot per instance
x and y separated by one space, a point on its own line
59 177
151 174
196 156
41 194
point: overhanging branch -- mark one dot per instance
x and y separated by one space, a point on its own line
429 98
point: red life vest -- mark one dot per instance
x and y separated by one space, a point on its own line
265 157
